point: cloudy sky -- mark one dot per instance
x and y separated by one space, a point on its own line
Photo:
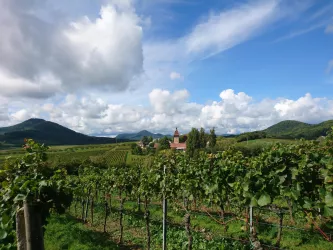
107 66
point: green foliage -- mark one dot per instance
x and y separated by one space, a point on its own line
65 232
145 140
182 138
136 149
300 175
202 138
114 157
163 143
251 136
177 240
193 142
212 138
31 179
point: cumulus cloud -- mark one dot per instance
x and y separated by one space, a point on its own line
43 86
163 101
105 53
230 113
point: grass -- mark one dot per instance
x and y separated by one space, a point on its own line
207 233
66 232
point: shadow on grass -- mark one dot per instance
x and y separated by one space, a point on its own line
66 232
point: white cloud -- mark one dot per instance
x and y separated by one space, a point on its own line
302 32
67 66
108 49
175 76
220 31
229 28
162 101
100 54
43 86
23 115
232 112
326 10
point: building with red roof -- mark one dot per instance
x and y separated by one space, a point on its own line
176 144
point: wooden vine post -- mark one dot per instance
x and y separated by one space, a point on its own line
165 204
33 226
253 237
20 230
147 214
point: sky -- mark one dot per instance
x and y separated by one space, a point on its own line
103 67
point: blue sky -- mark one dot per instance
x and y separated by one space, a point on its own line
110 66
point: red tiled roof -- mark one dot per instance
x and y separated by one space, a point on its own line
178 145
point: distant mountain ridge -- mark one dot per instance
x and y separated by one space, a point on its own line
138 136
49 133
290 129
295 129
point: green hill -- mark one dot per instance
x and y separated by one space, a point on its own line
296 130
286 127
49 133
138 136
26 125
290 130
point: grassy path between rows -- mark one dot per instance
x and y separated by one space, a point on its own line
68 232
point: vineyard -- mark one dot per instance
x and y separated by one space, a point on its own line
281 198
115 157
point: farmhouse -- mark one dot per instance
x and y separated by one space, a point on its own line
176 144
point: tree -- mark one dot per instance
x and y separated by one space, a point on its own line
145 140
212 138
202 138
136 149
164 143
182 138
193 142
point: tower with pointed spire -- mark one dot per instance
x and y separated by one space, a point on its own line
176 137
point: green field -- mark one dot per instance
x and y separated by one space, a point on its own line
120 153
112 153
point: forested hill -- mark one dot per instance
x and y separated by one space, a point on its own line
47 132
291 130
138 136
295 129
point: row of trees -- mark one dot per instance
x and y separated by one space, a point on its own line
251 136
199 140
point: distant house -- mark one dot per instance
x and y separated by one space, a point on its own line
176 144
140 144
